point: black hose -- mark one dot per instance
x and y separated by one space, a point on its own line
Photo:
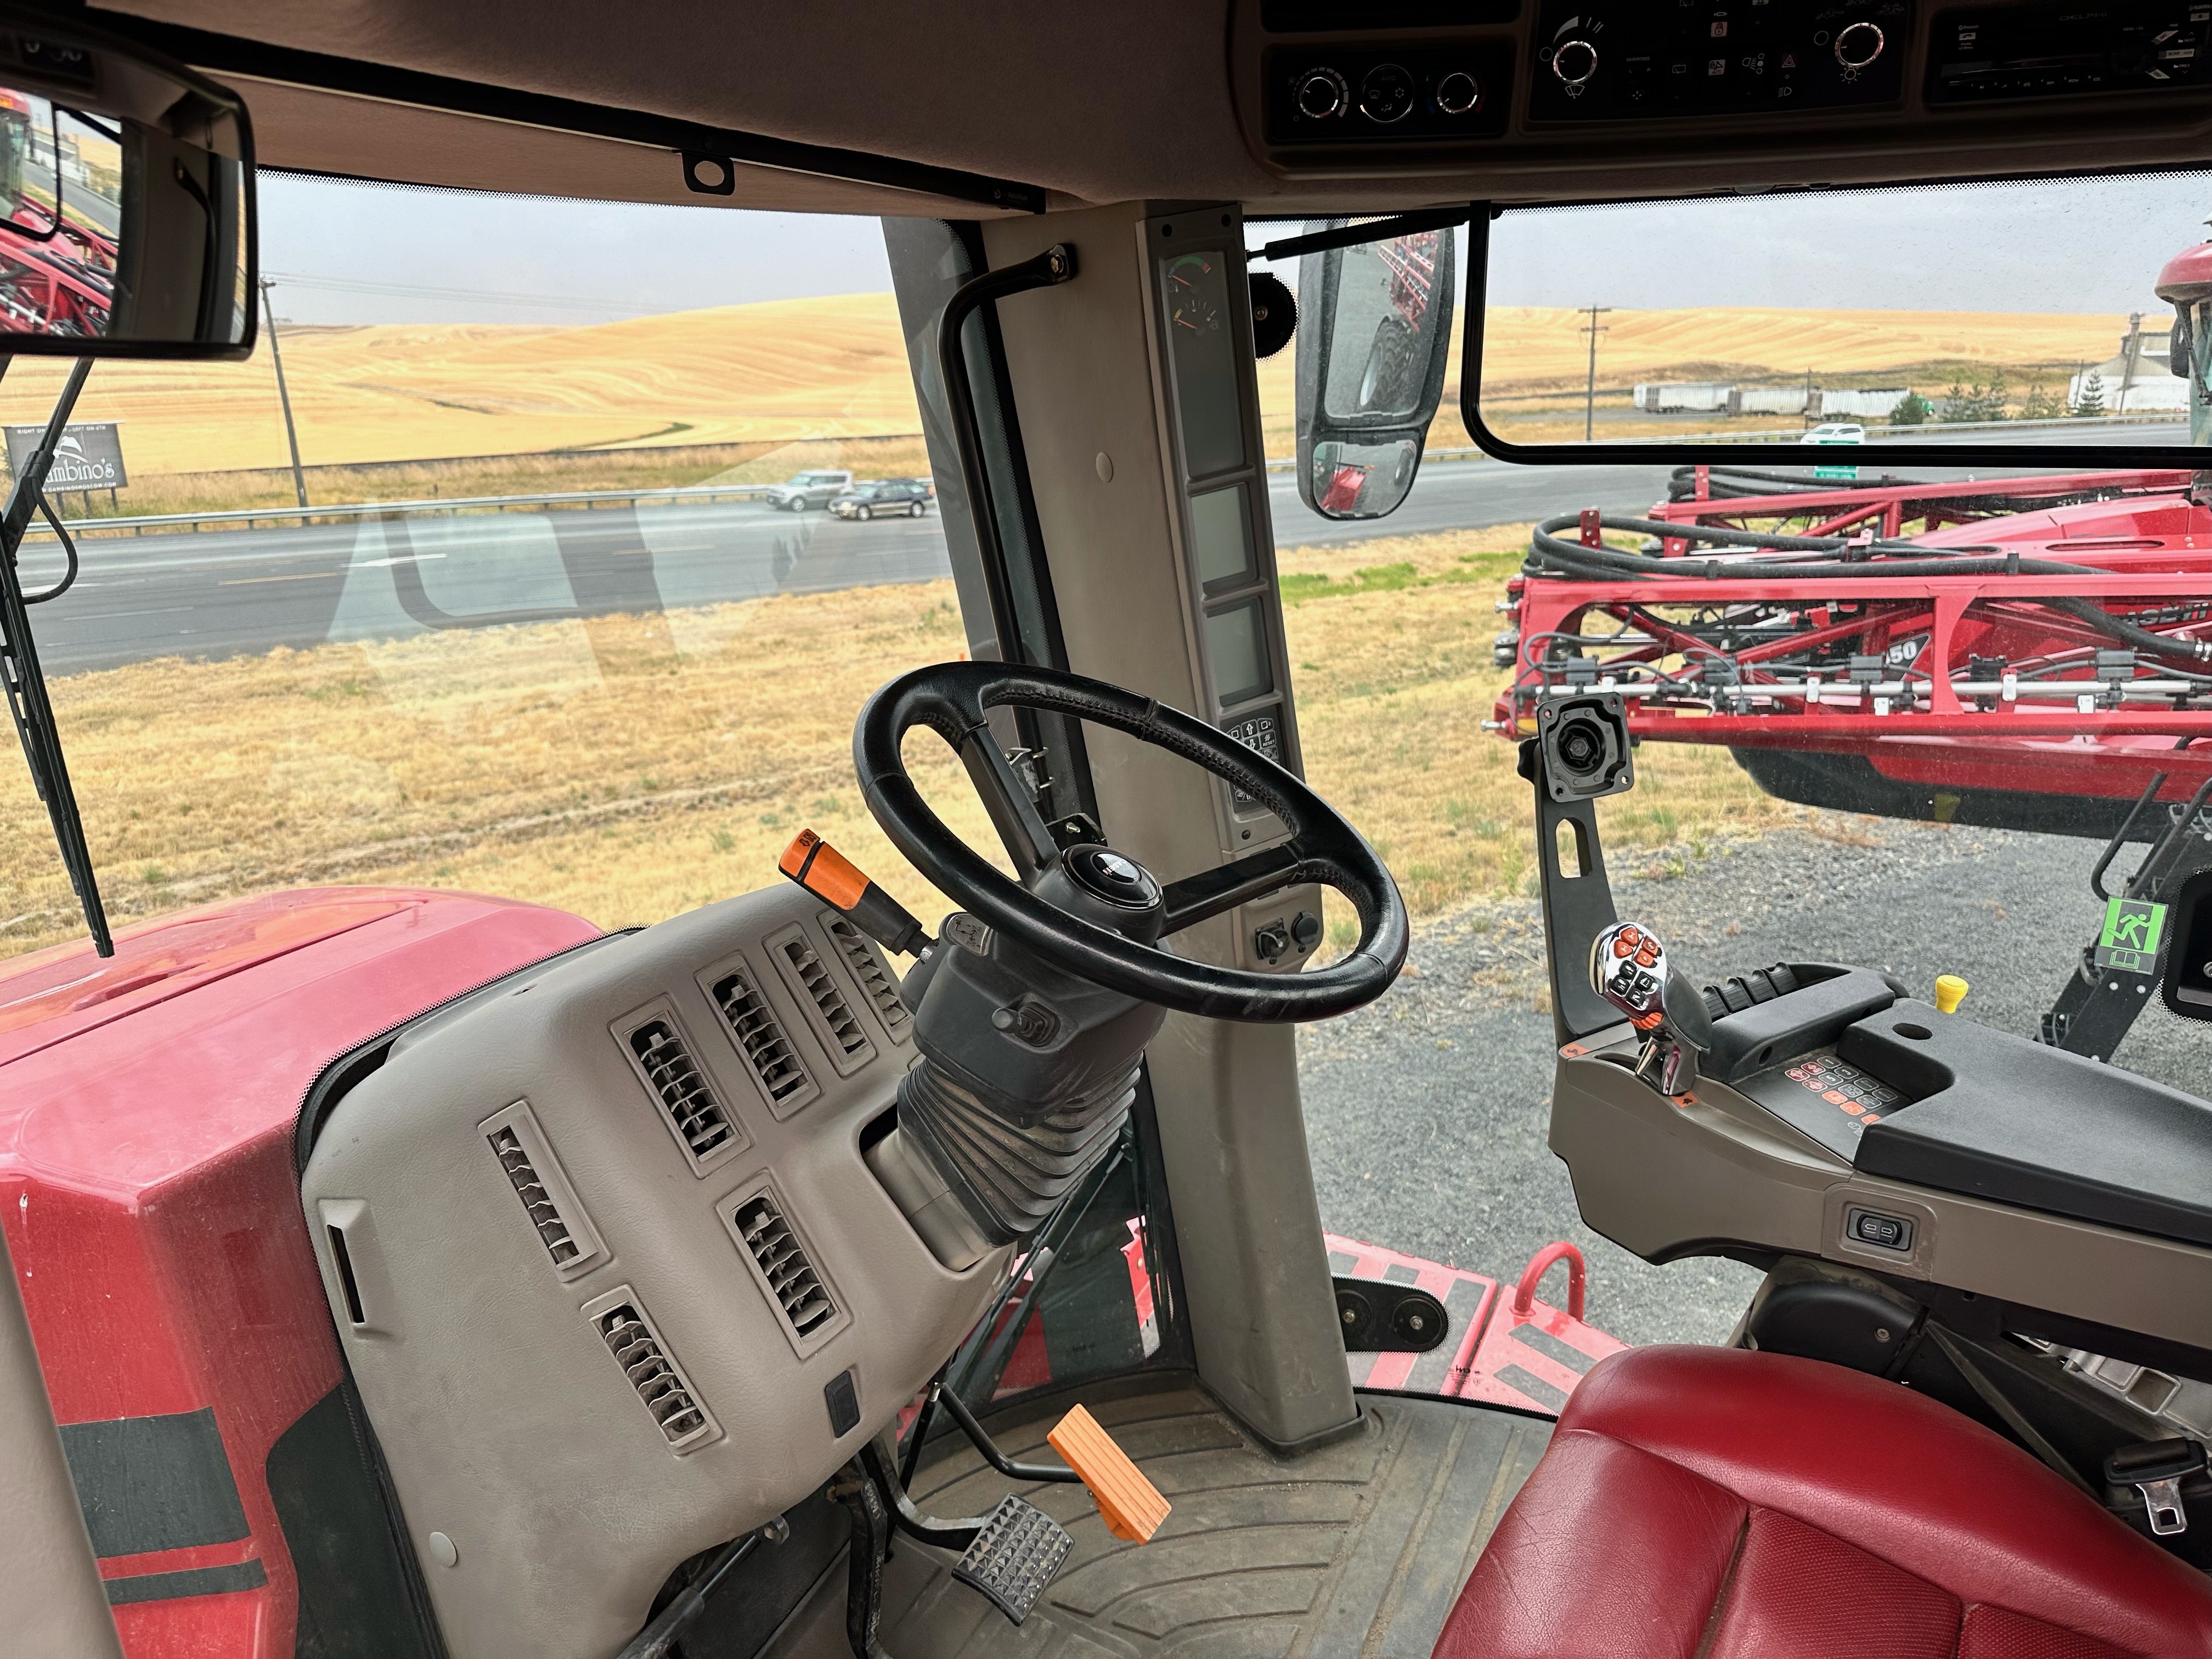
2128 634
1549 554
69 546
1720 483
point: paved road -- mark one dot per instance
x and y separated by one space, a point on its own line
239 591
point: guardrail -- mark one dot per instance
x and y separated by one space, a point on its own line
247 517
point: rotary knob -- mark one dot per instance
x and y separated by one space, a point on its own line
1459 93
1858 44
1321 93
1575 62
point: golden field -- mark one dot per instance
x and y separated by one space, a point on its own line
1528 348
401 391
629 768
836 368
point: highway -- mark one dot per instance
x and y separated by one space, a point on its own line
234 592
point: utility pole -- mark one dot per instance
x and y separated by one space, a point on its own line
2130 357
1592 328
283 394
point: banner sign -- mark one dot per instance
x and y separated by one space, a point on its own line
89 457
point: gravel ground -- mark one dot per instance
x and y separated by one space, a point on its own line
1428 1111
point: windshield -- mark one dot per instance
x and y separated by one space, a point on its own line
535 630
1869 821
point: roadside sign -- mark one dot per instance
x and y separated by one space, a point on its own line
1848 474
2130 937
89 457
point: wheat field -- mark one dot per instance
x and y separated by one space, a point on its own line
837 368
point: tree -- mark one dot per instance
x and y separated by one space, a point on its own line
1995 398
2091 402
1957 405
1913 409
2041 404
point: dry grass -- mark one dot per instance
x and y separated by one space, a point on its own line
631 767
1534 348
397 392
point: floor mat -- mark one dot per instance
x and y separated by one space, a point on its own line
1353 1552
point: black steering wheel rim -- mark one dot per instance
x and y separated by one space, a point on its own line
954 699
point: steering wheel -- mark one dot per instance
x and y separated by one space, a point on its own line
953 699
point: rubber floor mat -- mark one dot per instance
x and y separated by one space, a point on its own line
1353 1552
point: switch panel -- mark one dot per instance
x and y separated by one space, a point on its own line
1882 1232
1627 60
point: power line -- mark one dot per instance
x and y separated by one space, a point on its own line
481 297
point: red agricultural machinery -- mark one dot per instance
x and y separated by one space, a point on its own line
2024 657
57 271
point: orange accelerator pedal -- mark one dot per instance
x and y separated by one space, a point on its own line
834 879
1132 1505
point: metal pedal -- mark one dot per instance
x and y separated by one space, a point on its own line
1014 1557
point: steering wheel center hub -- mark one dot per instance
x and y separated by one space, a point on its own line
1118 879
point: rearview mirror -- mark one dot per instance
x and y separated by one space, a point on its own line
2043 323
1371 369
125 201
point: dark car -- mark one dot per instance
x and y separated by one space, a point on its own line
884 498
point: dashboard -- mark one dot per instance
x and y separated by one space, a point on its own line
1550 87
611 1267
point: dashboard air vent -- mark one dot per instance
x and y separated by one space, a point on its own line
870 973
827 1011
526 1158
760 1226
545 1214
760 1038
621 1321
673 1073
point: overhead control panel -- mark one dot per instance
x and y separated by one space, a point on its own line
1600 100
1629 61
1337 95
1990 53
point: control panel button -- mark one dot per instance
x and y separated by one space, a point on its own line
1386 93
1858 44
1322 94
1575 62
1459 94
1884 1232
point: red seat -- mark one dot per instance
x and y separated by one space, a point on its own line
1715 1503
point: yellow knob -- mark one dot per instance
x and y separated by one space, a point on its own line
1950 992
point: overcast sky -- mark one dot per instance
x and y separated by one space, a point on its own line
368 251
2092 244
527 260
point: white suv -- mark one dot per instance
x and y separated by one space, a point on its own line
804 489
1835 432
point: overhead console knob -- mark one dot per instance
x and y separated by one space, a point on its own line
1321 93
1575 60
1857 45
1459 93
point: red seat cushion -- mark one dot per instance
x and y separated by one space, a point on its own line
1715 1503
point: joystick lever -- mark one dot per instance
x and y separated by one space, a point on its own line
1628 966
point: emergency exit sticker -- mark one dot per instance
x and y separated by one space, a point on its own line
2129 942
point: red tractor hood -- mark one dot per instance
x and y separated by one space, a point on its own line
203 1029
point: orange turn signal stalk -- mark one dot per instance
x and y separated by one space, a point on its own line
834 879
1131 1506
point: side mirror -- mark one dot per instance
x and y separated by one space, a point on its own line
126 224
1372 368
